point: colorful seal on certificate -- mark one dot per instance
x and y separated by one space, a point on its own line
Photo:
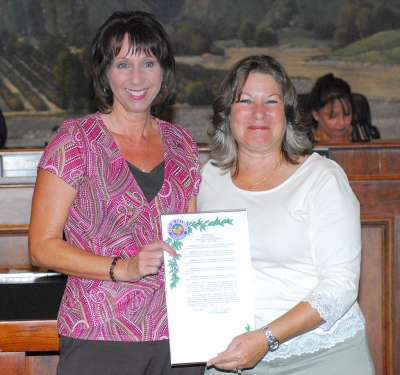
177 229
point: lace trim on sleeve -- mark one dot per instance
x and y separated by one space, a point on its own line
329 308
346 327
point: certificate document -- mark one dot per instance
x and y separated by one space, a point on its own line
209 284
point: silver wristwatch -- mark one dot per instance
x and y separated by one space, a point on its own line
273 343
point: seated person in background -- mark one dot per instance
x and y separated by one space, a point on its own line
333 111
3 131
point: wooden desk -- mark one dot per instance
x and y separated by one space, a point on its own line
26 347
373 170
20 342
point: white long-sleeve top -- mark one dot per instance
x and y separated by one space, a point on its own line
305 240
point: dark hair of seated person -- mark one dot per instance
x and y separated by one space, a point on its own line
3 131
329 88
362 117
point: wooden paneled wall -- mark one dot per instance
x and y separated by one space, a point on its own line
373 170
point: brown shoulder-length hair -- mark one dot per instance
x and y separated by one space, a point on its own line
224 148
146 35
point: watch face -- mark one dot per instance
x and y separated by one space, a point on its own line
274 345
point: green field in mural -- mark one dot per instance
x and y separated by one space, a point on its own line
44 48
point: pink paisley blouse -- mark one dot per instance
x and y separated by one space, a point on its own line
111 216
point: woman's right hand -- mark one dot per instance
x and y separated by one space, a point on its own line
147 261
244 351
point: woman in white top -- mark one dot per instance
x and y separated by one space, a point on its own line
304 224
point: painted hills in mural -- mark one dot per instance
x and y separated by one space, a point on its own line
44 43
44 46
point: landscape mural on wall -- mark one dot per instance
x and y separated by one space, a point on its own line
44 75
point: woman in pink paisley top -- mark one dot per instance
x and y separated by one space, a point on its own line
103 182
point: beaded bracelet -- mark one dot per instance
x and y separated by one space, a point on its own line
114 262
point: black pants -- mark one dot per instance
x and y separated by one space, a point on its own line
92 357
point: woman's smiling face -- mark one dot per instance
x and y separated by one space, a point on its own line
258 116
135 79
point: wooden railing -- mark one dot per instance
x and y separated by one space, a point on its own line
18 339
29 336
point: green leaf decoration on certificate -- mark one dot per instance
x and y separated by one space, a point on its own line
201 225
247 328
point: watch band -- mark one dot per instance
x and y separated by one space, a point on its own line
273 343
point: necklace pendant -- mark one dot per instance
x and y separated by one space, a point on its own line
144 170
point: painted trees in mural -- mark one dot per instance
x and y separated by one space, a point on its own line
44 44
